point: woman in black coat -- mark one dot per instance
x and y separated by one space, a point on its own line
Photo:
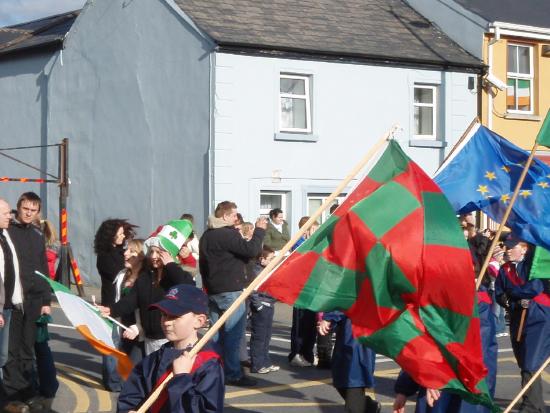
109 247
160 274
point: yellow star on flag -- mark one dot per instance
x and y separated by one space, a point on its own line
543 184
505 168
505 198
490 175
482 189
525 193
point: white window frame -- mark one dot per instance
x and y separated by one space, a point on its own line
521 76
306 97
434 107
322 197
264 212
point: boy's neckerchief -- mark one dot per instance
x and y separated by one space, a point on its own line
202 357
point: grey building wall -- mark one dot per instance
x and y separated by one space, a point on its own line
352 106
465 28
24 109
131 92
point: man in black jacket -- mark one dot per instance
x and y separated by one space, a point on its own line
31 252
223 253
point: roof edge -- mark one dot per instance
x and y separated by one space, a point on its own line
296 53
46 47
187 19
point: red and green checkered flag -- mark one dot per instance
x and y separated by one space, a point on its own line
393 258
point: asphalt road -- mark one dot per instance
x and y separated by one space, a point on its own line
294 390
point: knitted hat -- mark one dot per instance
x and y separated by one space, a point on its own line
170 237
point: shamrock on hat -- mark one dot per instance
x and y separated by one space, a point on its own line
170 237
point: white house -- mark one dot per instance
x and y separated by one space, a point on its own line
174 105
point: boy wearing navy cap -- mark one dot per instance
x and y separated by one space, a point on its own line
198 382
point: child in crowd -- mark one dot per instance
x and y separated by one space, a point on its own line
52 246
262 308
352 365
198 383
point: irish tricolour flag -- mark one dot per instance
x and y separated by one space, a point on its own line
88 322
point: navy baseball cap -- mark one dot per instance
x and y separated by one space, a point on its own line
183 299
511 241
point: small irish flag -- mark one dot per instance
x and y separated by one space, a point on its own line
88 322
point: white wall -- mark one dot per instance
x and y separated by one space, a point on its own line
353 105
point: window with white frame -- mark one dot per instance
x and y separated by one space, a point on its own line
519 93
425 111
294 103
314 201
273 199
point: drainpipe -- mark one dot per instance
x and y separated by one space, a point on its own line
211 143
490 72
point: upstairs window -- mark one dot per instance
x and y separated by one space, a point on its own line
425 112
519 93
295 103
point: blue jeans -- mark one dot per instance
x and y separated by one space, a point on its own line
4 339
229 336
109 374
498 311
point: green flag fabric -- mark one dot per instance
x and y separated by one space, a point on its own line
543 137
541 264
393 259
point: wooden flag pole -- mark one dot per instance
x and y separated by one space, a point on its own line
506 215
521 322
527 385
264 274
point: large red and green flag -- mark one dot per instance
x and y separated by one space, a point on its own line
393 258
541 264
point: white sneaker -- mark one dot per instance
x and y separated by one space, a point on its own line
273 367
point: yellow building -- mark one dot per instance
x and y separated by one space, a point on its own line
516 89
512 37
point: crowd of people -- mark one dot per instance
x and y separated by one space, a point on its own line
166 289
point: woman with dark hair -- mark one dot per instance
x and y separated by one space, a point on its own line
109 247
276 233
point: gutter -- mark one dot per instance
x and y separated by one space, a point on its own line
519 30
301 54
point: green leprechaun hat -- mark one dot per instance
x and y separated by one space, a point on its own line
170 236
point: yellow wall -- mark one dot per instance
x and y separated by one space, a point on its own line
520 131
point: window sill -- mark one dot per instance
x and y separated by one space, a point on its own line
519 116
296 137
427 143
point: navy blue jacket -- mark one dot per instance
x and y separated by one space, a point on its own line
513 283
352 362
201 391
449 402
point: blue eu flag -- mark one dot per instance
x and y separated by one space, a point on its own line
482 174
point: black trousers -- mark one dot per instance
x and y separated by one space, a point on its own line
532 401
261 324
303 334
19 369
324 349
